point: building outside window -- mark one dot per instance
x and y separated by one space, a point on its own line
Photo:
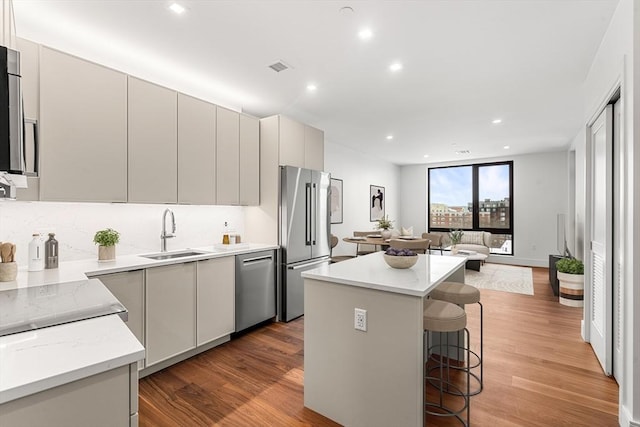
474 197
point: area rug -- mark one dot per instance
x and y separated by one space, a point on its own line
501 277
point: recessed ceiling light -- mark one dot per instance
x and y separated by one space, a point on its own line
365 34
463 152
426 156
389 137
396 66
176 8
311 87
497 121
506 147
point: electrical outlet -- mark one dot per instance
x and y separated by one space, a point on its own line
360 319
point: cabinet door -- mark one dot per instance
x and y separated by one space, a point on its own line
291 142
216 298
128 288
196 151
171 311
228 157
153 143
313 148
249 161
83 129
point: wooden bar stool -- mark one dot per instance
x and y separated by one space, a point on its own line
461 294
443 317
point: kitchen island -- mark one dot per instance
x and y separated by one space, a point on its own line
372 377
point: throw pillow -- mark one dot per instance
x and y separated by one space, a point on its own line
406 231
473 238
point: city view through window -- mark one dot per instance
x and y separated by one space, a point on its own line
473 197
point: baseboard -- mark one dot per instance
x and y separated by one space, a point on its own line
625 418
525 262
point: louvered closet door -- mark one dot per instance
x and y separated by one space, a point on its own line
600 273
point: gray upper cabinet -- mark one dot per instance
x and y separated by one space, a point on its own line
153 143
313 148
291 142
228 157
196 151
83 129
249 160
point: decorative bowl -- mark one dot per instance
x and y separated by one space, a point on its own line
400 261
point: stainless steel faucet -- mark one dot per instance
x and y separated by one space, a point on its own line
164 236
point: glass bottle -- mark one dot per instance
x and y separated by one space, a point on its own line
51 252
225 236
36 253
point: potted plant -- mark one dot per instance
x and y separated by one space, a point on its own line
385 224
455 236
571 278
106 239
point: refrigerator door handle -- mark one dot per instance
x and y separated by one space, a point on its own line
309 264
314 214
307 225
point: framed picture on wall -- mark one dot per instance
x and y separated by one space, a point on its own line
336 201
376 202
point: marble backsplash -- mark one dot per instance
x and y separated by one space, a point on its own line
139 225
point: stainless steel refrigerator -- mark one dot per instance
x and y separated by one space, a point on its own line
304 233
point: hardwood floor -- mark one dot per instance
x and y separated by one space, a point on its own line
538 372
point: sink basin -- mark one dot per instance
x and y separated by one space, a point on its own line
173 255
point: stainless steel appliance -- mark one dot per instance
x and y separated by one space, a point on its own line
304 233
12 157
255 288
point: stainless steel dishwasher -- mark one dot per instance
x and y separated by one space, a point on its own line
255 288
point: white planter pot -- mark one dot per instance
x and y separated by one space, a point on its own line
386 234
571 289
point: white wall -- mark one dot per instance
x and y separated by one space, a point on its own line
357 171
618 62
539 194
139 225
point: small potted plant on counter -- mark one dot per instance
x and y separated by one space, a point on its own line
385 224
571 278
106 239
455 236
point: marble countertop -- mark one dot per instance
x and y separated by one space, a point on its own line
372 272
70 271
38 360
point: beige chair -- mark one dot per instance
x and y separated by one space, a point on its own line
364 249
436 241
338 258
418 245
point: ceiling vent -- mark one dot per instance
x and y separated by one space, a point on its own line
278 66
463 152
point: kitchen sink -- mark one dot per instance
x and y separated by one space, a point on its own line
173 255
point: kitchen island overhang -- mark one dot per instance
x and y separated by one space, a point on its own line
372 377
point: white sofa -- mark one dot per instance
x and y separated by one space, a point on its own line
479 241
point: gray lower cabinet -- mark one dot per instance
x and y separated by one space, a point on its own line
128 288
170 326
216 299
106 399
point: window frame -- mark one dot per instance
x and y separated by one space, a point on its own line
475 214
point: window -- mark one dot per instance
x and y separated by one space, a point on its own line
474 197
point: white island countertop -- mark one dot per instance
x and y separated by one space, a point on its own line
372 272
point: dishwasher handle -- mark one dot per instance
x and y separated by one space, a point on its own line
257 259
